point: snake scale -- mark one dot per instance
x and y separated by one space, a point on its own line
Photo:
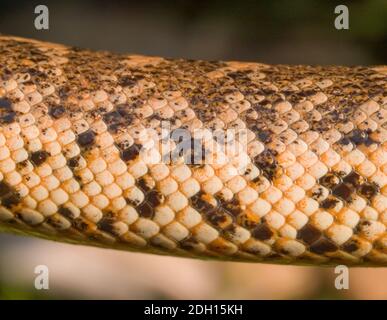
302 181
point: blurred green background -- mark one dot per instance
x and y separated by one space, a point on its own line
294 32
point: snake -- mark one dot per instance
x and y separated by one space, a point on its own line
223 160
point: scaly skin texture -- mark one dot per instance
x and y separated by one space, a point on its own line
307 187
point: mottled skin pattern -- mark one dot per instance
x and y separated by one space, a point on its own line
309 189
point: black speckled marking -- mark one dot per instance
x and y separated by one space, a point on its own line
220 218
201 205
268 164
232 206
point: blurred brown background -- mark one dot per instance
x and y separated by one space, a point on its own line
298 31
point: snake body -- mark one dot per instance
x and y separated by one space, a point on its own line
78 162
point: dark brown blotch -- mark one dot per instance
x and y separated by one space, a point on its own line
5 104
133 203
73 162
369 190
113 120
10 200
264 136
7 117
144 185
350 246
8 195
262 232
21 165
353 179
127 81
201 205
39 157
359 137
55 221
86 139
219 218
323 245
155 198
145 210
130 153
57 111
189 243
66 212
317 194
106 224
329 181
5 188
329 203
308 234
81 224
245 222
343 191
232 206
361 226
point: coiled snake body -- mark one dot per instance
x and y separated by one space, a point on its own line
307 184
